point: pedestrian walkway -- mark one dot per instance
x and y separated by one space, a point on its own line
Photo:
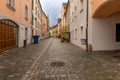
54 60
65 61
15 63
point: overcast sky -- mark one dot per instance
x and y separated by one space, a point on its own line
53 9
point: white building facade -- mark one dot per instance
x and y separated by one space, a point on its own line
36 18
78 22
103 33
93 33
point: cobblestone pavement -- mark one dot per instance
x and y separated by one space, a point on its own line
65 61
14 63
62 61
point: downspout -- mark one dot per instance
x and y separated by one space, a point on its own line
87 25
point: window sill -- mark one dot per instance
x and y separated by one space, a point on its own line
10 7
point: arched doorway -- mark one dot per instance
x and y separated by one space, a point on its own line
8 34
105 8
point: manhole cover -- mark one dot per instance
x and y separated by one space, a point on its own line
117 56
46 79
57 64
34 78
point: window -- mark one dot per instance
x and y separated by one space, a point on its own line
36 10
81 7
81 27
32 20
35 22
26 12
118 32
75 8
32 5
36 1
75 34
11 5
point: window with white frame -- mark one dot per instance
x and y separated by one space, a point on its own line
32 4
26 12
81 7
11 3
75 34
81 29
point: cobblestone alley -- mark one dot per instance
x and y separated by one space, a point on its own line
53 60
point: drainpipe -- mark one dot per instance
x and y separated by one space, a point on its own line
87 24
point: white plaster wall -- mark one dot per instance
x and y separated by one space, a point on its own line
29 40
21 36
104 33
77 20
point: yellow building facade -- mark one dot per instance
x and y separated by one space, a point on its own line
55 31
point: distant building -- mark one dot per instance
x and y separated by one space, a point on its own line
51 32
59 28
45 26
64 6
67 21
64 26
55 31
36 18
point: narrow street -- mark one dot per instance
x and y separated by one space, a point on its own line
59 61
14 63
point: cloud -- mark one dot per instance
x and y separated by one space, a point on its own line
53 9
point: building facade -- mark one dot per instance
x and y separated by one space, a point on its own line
94 24
67 21
36 18
59 28
51 32
63 11
104 25
78 22
64 6
55 31
15 28
45 26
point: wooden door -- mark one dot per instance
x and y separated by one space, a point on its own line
8 35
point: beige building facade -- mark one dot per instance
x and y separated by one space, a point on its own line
45 26
36 18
